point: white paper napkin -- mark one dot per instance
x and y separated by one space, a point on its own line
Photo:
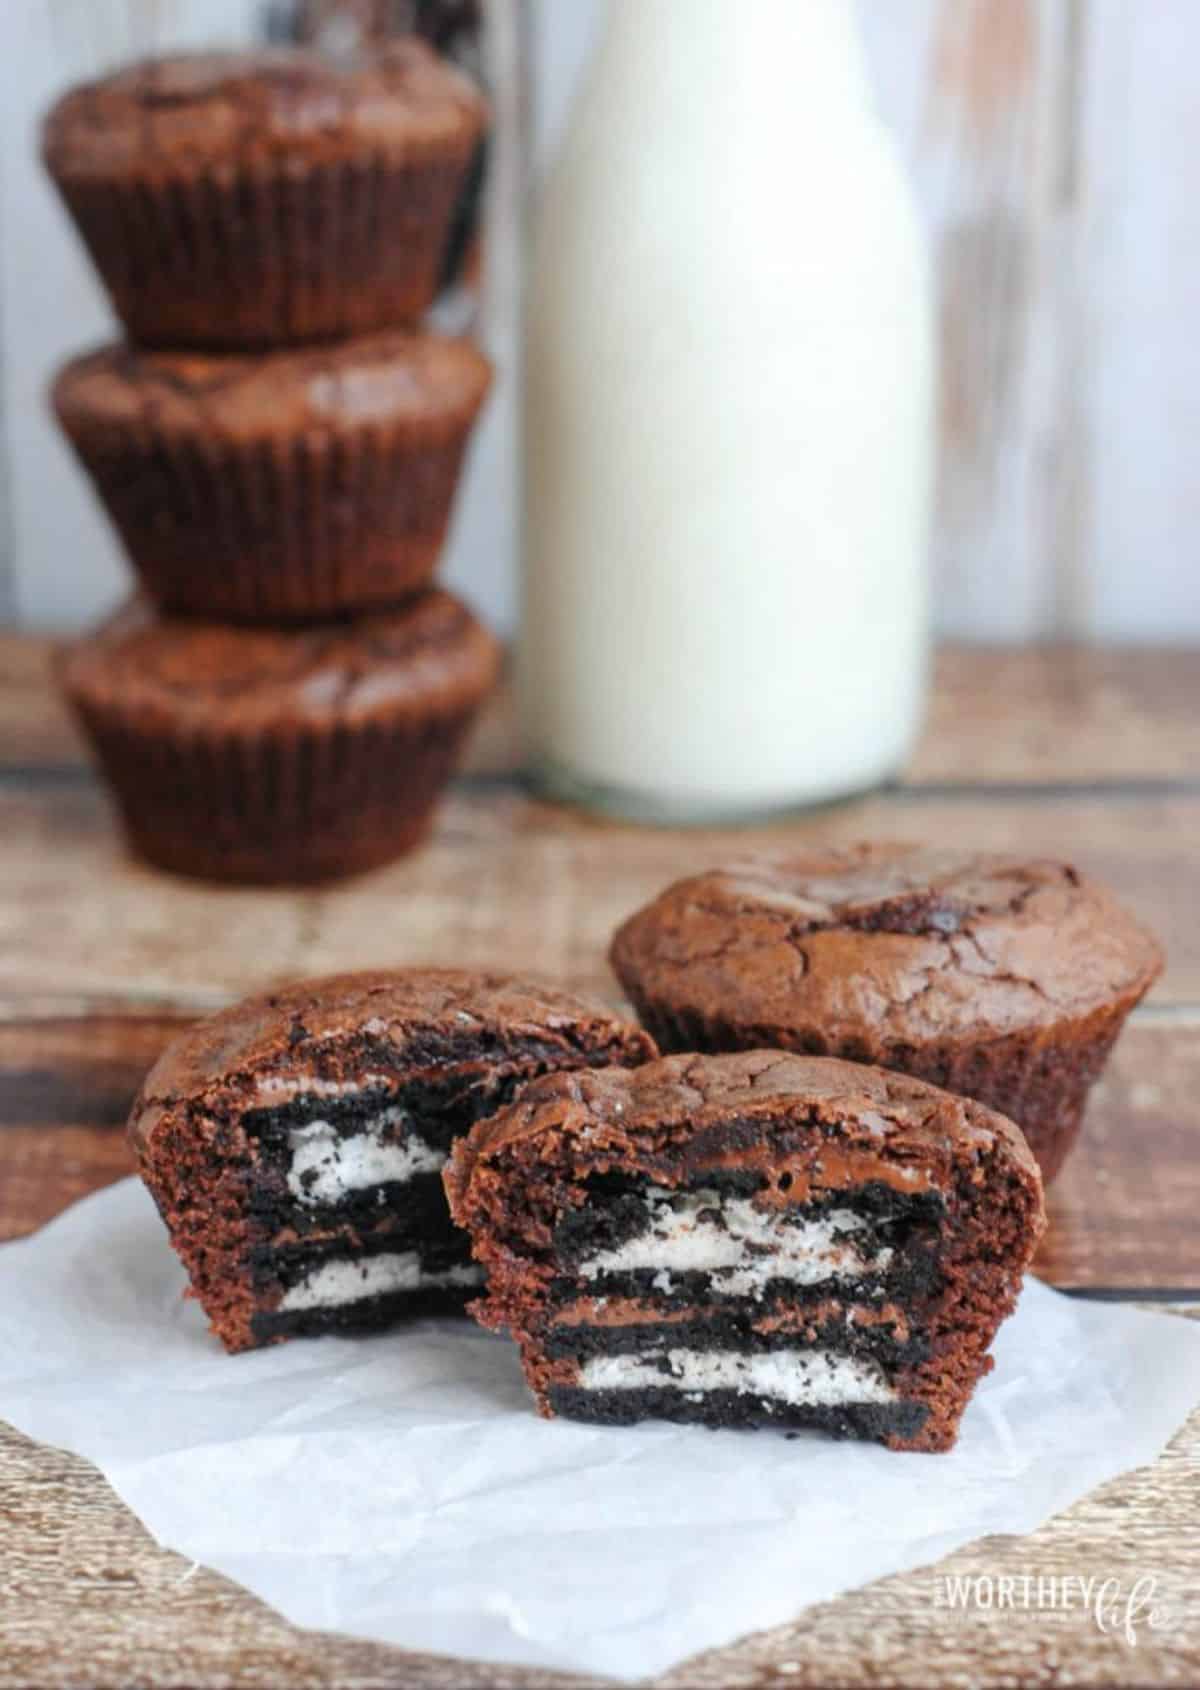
401 1487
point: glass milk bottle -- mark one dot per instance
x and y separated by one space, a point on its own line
728 430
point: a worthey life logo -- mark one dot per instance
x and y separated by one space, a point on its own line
1127 1609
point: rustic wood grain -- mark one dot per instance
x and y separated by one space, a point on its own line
980 93
65 1089
1061 715
1049 715
43 1169
35 730
76 1070
505 880
1124 1210
1041 137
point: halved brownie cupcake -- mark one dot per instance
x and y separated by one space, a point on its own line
259 198
296 484
756 1239
1004 978
294 1143
273 755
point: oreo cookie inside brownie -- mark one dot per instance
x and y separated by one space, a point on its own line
754 1239
294 1144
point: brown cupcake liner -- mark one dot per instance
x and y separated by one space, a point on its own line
293 806
1040 1080
274 253
278 530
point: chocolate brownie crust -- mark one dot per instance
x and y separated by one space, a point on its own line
327 1029
431 657
932 942
672 1118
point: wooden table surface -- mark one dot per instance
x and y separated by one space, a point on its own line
1089 754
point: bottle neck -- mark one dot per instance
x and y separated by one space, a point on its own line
711 56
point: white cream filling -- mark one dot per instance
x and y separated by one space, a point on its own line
796 1378
325 1166
273 1088
740 1246
355 1280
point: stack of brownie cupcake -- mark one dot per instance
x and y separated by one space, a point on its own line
278 443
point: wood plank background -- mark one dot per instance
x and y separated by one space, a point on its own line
1053 147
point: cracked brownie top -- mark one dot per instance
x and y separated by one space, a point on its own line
673 1117
924 942
429 657
181 111
396 379
328 1035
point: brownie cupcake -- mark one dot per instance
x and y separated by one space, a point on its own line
286 485
247 199
1005 979
275 756
294 1142
758 1239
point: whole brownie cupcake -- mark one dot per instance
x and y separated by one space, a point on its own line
1001 978
275 756
247 199
292 484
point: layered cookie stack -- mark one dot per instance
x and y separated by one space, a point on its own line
294 1143
278 443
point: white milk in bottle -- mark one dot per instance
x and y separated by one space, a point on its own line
728 426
